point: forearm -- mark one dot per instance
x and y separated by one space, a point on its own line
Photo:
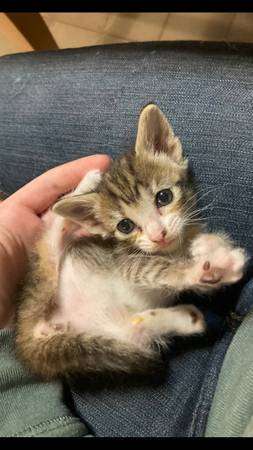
156 271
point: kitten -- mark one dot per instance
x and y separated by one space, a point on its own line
100 304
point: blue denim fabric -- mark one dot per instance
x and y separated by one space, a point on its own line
57 106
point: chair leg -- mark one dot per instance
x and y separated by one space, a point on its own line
34 29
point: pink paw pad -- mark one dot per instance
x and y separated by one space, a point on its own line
211 275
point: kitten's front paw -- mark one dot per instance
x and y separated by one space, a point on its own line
217 262
89 182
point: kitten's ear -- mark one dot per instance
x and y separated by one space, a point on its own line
156 135
77 208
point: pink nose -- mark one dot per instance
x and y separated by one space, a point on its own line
158 237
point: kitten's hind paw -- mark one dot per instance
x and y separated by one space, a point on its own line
189 320
46 329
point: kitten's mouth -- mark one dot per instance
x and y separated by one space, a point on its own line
166 242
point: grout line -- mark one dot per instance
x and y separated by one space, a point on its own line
107 20
230 26
82 28
135 20
163 27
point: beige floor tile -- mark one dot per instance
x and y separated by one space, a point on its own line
89 21
6 47
197 26
241 29
136 26
68 36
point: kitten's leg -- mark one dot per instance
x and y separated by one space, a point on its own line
178 320
213 262
144 327
157 272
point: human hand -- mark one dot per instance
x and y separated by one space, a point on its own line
21 223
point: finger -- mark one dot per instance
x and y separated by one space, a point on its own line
42 192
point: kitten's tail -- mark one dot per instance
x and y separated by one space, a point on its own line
90 357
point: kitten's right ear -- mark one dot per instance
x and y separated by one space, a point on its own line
155 134
79 208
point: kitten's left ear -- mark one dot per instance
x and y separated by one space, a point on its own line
156 135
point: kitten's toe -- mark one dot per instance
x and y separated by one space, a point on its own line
191 320
239 261
196 319
204 244
45 329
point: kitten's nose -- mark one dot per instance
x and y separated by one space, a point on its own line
158 237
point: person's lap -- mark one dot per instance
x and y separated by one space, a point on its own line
231 410
179 404
53 113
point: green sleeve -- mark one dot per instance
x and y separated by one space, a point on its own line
231 414
29 407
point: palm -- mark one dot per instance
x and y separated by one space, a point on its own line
20 221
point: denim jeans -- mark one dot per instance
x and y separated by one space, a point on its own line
58 106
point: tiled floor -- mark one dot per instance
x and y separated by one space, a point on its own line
84 29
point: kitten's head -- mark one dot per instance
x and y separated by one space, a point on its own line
144 198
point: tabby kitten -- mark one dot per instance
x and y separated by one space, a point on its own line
99 304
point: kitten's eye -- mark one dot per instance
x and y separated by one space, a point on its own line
163 198
126 226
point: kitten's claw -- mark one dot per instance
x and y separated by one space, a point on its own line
217 261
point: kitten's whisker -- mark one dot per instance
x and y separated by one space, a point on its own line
194 216
204 194
203 220
189 223
195 210
180 241
215 217
215 188
190 198
202 208
196 219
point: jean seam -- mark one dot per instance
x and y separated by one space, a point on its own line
58 421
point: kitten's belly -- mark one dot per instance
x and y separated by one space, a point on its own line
95 302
